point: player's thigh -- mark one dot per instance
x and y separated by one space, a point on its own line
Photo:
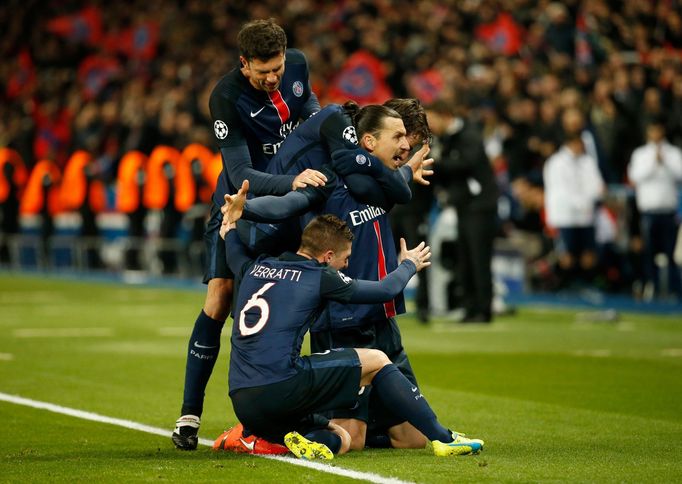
216 256
330 380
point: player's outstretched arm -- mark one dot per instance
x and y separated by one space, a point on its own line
360 291
272 209
420 255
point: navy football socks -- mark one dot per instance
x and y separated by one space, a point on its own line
406 401
202 352
326 437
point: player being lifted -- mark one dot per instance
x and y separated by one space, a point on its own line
254 107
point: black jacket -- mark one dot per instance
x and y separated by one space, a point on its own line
465 171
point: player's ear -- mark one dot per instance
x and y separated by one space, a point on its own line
368 142
243 61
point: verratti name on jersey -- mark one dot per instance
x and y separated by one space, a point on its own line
359 217
265 272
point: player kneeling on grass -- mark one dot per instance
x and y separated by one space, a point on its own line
276 393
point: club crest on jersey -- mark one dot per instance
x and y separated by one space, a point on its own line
361 159
350 135
220 129
297 88
344 277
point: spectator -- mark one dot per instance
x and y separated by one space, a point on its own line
654 170
573 186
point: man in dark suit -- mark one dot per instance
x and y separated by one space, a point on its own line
466 175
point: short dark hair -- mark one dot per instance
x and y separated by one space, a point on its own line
261 39
414 116
323 233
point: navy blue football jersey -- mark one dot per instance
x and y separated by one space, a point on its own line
374 253
277 302
373 256
311 145
250 124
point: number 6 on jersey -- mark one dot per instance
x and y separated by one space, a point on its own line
262 304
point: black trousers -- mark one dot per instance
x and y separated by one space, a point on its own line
476 232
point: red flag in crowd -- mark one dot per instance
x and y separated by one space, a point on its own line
503 35
426 85
140 41
362 79
82 26
95 72
23 79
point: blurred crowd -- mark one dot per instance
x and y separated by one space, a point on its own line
114 77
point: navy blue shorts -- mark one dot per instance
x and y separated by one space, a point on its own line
216 257
383 335
576 240
323 382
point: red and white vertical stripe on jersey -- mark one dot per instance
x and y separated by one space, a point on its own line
389 306
281 106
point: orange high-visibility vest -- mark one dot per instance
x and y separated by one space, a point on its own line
8 155
213 171
75 184
157 188
185 188
127 190
32 201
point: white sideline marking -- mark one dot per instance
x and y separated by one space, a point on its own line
672 352
6 356
129 424
594 353
62 332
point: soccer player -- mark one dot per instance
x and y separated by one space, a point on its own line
254 107
373 173
382 133
275 391
329 141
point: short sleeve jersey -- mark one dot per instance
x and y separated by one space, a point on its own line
252 123
277 301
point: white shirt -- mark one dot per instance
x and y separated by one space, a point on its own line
572 186
655 182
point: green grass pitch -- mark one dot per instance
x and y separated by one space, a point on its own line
555 400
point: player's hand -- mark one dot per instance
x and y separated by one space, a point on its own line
225 227
421 166
309 177
234 204
420 255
